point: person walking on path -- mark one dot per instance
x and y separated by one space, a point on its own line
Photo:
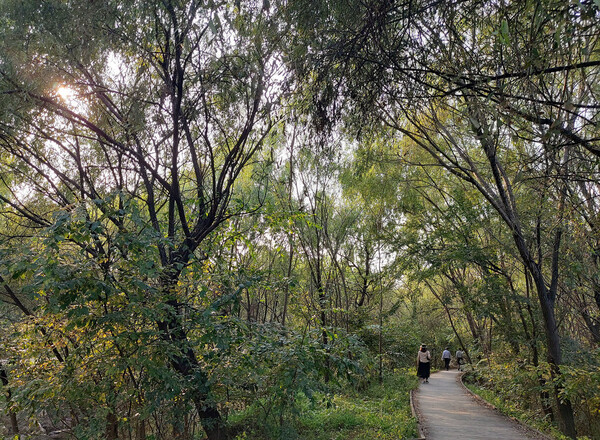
424 363
459 359
446 356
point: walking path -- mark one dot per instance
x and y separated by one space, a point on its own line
447 410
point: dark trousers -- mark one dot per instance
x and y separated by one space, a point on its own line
447 363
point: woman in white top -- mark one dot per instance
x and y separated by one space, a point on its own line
424 363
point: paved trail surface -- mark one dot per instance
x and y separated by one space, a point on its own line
446 410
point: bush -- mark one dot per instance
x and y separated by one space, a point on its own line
275 375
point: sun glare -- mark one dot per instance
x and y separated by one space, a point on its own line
66 93
70 98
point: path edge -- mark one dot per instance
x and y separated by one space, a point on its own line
415 414
484 402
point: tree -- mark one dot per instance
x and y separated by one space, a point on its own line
125 119
492 91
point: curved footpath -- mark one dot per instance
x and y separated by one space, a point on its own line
446 409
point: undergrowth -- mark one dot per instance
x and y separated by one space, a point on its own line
378 411
484 388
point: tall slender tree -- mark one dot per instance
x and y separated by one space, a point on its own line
160 105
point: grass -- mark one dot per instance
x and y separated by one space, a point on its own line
381 411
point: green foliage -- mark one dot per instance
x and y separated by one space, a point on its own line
113 355
581 384
516 387
274 370
401 339
91 348
187 227
379 411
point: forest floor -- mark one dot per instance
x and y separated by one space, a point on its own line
375 411
445 408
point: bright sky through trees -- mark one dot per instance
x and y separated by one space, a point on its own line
215 217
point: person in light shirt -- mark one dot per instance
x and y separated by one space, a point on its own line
446 356
424 363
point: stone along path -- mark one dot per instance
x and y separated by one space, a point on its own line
447 410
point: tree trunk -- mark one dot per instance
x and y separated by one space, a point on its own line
186 364
14 424
140 430
287 284
289 235
504 203
364 291
112 426
535 359
325 339
380 331
592 323
546 300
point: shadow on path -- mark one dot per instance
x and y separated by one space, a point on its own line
447 410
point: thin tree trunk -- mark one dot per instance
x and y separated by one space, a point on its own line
290 240
504 203
546 300
112 426
380 331
140 430
14 424
325 338
186 364
364 291
447 310
287 284
544 396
